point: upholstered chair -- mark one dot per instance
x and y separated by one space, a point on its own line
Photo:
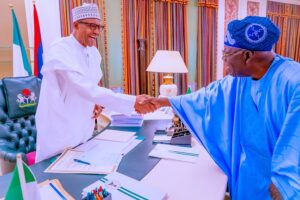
18 102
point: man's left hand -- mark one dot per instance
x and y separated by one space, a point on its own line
274 192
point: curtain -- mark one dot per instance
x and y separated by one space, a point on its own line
66 29
148 26
231 12
135 30
287 18
171 34
206 42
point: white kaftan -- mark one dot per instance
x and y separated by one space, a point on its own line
68 95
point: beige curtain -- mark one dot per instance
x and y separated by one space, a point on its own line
287 17
148 26
206 42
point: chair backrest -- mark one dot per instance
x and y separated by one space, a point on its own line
17 135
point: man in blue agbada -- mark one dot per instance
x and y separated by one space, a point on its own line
249 121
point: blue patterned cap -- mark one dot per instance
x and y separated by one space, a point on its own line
252 33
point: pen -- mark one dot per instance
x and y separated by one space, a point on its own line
57 191
81 161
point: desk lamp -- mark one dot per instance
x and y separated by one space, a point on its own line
167 62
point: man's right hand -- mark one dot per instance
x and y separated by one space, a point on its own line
97 111
145 104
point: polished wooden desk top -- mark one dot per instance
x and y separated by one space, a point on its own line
181 180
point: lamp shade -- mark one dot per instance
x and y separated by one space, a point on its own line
167 62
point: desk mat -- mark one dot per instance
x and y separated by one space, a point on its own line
135 164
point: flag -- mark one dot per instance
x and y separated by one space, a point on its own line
21 66
38 46
23 185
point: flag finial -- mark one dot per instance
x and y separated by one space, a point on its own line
33 1
19 156
11 6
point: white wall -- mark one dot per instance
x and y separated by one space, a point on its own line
114 43
220 40
49 17
192 42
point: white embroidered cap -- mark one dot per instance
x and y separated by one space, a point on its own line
86 11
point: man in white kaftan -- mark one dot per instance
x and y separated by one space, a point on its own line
70 88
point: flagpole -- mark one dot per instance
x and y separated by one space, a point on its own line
38 45
21 65
34 56
21 175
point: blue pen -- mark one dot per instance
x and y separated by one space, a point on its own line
57 191
81 161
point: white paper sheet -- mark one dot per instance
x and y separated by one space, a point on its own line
160 114
162 138
115 135
173 152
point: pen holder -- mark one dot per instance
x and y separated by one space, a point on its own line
108 197
92 196
181 138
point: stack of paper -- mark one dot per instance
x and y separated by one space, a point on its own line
173 152
126 188
134 120
117 119
162 138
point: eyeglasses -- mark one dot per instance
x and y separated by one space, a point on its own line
225 54
93 26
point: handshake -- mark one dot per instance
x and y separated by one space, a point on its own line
145 104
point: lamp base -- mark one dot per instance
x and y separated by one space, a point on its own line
168 90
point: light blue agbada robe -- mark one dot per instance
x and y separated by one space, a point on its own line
251 129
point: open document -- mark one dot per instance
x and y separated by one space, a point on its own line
101 155
70 161
123 187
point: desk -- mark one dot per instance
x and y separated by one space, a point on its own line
203 180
